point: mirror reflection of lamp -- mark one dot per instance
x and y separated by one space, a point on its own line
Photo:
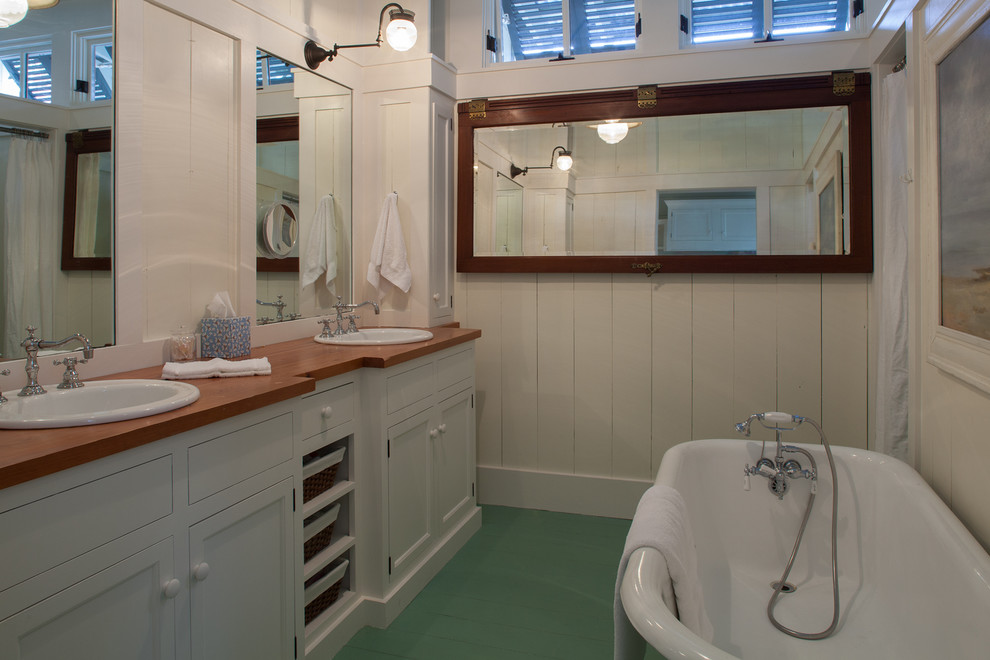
612 131
400 34
12 11
564 161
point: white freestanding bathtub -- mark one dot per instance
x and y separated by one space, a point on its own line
913 582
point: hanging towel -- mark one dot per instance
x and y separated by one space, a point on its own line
321 246
216 368
388 252
661 522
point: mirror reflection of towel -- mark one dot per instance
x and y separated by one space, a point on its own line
388 251
321 246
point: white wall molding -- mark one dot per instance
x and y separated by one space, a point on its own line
566 493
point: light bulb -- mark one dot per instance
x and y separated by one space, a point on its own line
401 31
564 161
12 11
613 130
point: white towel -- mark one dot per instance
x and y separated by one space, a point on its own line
216 368
661 522
320 254
388 252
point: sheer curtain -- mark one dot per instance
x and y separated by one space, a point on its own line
892 331
30 233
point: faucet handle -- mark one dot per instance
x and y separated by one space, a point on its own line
327 332
70 379
3 372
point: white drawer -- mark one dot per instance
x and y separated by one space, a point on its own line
406 388
324 410
47 532
455 368
230 459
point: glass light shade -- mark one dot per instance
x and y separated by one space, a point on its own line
12 11
401 33
564 162
613 131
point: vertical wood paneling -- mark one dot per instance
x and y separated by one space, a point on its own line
713 355
631 377
844 358
593 345
755 349
519 361
555 372
799 349
484 310
671 348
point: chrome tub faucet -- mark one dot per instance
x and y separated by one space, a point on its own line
32 345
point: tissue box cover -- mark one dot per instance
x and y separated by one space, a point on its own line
226 338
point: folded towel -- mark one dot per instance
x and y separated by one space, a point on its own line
216 368
320 253
661 522
388 251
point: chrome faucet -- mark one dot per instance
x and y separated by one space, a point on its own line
279 305
32 345
4 372
778 470
346 323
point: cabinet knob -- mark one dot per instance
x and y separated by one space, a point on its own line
436 297
433 433
442 428
171 588
201 571
327 412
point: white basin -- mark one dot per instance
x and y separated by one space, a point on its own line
378 336
97 402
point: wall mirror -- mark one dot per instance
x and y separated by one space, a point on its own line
303 191
56 82
747 176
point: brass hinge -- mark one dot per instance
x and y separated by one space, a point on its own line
843 83
478 109
646 96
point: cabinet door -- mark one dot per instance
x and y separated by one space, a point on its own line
454 458
442 210
241 579
410 490
120 613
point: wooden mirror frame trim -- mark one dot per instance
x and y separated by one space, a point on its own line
278 129
737 96
76 143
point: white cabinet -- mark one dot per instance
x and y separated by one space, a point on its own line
241 579
183 548
454 447
441 209
410 487
118 613
711 225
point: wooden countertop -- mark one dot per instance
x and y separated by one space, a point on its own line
296 366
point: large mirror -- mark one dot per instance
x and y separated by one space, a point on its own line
303 191
56 92
756 176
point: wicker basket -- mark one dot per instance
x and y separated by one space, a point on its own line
320 474
318 532
323 589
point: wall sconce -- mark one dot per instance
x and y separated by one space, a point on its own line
564 163
400 34
612 131
14 11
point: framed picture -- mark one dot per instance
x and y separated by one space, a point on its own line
959 84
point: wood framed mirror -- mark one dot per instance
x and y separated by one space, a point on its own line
719 177
87 213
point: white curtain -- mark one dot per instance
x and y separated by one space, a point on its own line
30 233
892 333
87 204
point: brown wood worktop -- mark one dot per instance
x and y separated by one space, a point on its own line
296 366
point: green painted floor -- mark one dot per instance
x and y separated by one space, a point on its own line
530 584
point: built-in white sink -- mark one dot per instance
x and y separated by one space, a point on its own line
377 336
97 402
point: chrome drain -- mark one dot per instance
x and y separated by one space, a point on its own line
786 588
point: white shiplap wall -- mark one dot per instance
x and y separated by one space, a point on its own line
598 375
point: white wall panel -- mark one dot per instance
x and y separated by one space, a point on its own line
754 340
845 318
632 376
799 349
672 341
519 377
555 372
712 355
482 295
593 347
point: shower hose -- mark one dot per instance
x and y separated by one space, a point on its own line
797 544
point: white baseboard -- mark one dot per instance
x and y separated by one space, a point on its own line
566 493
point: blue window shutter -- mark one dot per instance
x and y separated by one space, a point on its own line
602 25
537 27
723 20
39 76
801 16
